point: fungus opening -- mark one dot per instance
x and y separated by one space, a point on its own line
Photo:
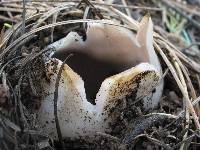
92 71
106 51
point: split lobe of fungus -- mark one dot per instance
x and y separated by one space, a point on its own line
108 65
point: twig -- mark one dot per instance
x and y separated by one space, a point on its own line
53 21
55 103
15 28
20 105
129 6
153 140
187 115
15 102
189 62
159 143
23 17
13 1
11 60
85 16
181 69
26 35
183 141
187 120
7 19
172 49
127 9
130 21
93 2
196 101
9 13
18 6
10 9
198 80
95 9
49 13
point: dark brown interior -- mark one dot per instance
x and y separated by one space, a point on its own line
92 71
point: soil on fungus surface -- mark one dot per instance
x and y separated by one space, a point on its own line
23 50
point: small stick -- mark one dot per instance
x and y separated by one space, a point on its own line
11 9
198 80
192 64
127 9
23 17
196 101
7 19
55 103
93 2
26 35
96 10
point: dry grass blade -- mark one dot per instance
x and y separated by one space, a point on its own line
92 2
11 9
189 62
11 32
182 88
55 104
27 35
127 9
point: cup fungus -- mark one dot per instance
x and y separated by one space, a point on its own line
108 64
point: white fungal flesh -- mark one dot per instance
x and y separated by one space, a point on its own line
77 116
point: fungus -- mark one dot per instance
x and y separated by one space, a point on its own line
108 65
